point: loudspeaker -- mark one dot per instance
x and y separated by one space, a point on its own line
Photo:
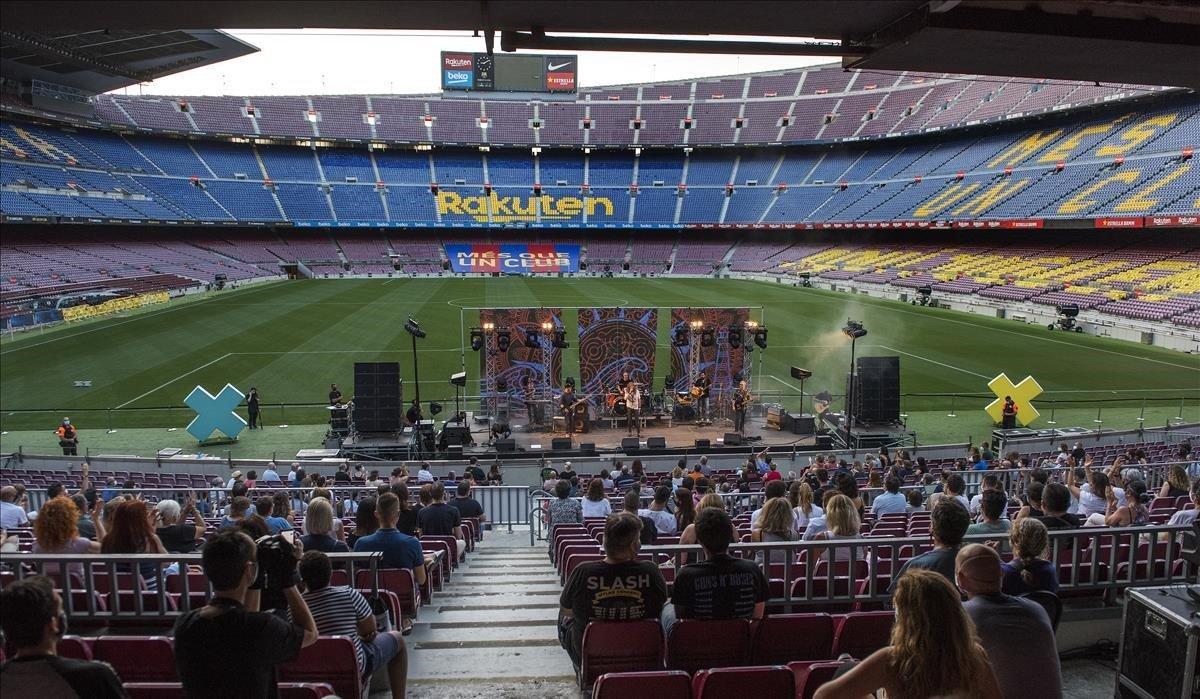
630 443
824 441
506 445
377 396
561 444
803 424
876 392
703 444
454 435
656 442
588 448
733 439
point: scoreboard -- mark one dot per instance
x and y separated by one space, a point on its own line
507 72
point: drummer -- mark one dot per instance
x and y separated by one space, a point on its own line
623 382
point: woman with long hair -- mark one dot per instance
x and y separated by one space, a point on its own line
776 523
636 469
685 508
595 503
407 521
1177 483
1094 495
800 496
365 522
688 536
934 650
841 522
1134 512
1028 571
56 530
133 532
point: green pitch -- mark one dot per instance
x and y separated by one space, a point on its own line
292 339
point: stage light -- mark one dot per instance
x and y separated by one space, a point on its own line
488 327
697 324
751 324
503 339
434 408
708 338
760 337
547 327
735 336
560 339
854 329
414 328
531 340
458 379
476 339
681 337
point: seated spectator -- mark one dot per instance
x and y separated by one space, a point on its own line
12 515
664 521
1094 495
952 489
230 633
343 611
1033 501
685 508
991 510
816 525
87 528
802 505
595 503
948 525
1188 516
466 505
846 484
1134 513
677 477
771 490
632 504
33 620
270 474
564 510
56 530
439 519
132 531
720 587
990 482
1028 571
475 473
890 501
319 532
1015 632
495 476
688 536
934 650
424 475
1056 498
618 588
776 523
365 521
251 479
282 507
238 507
265 507
407 522
1176 484
176 533
841 522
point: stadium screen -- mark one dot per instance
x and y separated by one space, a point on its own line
508 72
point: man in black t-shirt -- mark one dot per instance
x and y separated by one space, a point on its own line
177 534
722 587
466 505
439 519
1056 500
618 588
228 648
633 503
31 615
475 472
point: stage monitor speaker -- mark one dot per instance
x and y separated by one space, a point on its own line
456 435
561 444
587 448
824 441
656 442
733 439
628 443
506 445
1158 645
703 444
803 424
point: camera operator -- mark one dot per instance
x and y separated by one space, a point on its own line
229 648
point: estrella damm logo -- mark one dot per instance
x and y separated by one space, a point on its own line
508 209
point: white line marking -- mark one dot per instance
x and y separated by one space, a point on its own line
931 361
785 383
349 351
193 371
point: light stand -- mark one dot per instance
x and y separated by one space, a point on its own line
414 328
854 329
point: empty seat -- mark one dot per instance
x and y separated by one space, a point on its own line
331 659
620 646
74 647
782 638
660 684
138 658
863 633
397 580
766 681
809 676
696 644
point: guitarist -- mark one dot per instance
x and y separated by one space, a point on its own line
701 387
633 407
567 402
741 399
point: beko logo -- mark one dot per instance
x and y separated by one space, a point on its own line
457 76
560 66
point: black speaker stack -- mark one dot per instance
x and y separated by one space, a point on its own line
875 395
378 399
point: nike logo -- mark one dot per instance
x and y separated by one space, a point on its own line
556 67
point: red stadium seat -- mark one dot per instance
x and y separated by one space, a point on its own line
810 676
331 659
174 690
766 681
74 647
661 684
782 638
138 658
620 646
863 633
397 580
695 644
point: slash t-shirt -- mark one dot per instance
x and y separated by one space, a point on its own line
722 587
600 591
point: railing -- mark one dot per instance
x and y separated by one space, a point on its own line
129 595
735 504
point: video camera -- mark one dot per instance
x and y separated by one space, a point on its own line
276 562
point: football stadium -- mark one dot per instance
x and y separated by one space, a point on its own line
659 349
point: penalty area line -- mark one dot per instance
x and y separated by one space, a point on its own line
168 383
932 361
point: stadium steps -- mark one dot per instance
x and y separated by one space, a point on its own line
495 622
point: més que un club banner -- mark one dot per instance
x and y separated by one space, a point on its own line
515 258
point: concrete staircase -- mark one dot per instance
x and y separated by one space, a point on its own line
492 630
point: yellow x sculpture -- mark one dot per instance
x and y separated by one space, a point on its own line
1022 394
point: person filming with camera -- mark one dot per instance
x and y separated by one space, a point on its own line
229 648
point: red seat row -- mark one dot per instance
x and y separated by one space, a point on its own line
798 679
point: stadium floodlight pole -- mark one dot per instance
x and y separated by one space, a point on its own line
854 329
414 329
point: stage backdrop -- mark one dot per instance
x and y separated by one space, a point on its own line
614 340
720 361
513 258
520 361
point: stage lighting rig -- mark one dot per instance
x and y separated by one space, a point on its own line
708 337
476 339
854 329
680 338
503 340
560 339
760 336
414 328
531 340
735 336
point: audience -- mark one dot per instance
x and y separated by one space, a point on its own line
803 508
1188 516
319 529
133 532
1028 571
1134 513
618 588
1015 632
466 505
399 550
564 510
664 521
1056 499
12 515
934 650
992 520
440 519
265 506
33 621
56 530
948 525
409 515
841 522
176 533
952 489
990 482
685 508
365 521
632 504
595 503
890 500
1176 484
776 523
720 587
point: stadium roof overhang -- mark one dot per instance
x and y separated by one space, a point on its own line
1104 40
103 59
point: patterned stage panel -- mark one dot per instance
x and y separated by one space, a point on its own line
720 360
519 362
614 340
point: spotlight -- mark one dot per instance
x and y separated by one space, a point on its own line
801 374
459 379
503 339
476 339
854 329
547 327
531 340
735 336
488 327
681 337
502 385
697 324
434 408
414 328
760 337
560 339
708 338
